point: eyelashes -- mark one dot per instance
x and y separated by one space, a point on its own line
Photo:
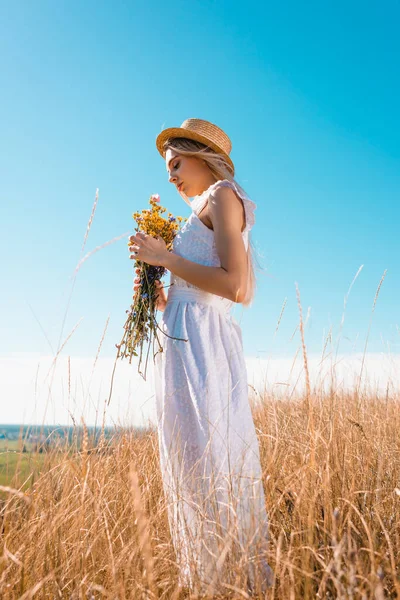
176 165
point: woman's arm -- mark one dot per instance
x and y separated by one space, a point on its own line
230 279
210 279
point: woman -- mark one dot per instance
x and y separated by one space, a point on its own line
209 451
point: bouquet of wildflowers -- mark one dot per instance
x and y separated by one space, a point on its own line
141 324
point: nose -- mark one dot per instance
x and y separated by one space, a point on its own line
172 178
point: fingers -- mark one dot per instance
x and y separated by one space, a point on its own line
133 238
136 282
140 234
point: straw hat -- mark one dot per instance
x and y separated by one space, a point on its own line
202 131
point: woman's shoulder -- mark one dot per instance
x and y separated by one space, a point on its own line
249 205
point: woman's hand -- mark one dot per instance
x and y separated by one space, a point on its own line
148 249
161 298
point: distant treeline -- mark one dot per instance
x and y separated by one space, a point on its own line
61 432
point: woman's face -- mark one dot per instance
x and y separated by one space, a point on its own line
188 173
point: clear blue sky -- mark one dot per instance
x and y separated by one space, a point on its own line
309 94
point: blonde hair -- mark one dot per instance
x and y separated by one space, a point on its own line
220 169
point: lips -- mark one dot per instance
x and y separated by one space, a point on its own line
180 185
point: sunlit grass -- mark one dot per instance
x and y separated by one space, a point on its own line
332 497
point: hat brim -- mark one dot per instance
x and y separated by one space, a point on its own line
173 132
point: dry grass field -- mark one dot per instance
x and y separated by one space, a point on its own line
89 521
93 523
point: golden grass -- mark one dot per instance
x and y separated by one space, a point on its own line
94 523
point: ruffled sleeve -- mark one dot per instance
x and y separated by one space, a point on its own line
249 205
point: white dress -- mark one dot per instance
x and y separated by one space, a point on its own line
209 453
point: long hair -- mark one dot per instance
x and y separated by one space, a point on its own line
220 169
